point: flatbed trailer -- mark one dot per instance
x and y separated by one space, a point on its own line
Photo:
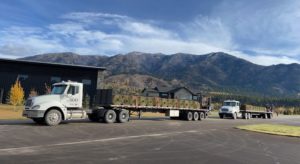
250 111
173 108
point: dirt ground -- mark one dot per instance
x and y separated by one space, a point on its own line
10 112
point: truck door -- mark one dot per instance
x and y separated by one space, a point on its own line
72 98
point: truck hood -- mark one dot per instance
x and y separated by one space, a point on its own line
45 98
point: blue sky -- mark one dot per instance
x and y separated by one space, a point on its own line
264 32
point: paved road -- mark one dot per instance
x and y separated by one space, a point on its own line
146 141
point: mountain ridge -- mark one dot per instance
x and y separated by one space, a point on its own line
215 71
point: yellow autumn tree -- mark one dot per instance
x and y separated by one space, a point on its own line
16 94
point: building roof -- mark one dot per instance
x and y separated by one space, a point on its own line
149 90
166 89
177 89
51 64
163 89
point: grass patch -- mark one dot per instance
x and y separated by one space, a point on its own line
285 130
213 113
10 112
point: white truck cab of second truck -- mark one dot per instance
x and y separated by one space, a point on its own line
230 108
64 98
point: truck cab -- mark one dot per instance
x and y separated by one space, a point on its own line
230 108
63 103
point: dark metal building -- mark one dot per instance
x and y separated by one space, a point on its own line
35 75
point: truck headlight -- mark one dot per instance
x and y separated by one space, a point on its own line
36 107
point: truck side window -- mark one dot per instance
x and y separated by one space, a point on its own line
76 90
71 90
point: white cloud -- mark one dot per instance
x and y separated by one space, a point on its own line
264 59
208 30
109 34
266 27
85 16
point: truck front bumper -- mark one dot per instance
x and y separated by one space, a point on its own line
33 113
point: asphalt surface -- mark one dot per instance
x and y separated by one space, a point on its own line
147 141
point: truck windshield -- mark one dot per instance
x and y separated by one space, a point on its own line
229 104
58 89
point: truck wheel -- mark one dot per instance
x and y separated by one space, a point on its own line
265 116
202 116
245 116
234 116
221 116
39 120
196 116
249 116
206 115
123 116
110 116
189 116
53 117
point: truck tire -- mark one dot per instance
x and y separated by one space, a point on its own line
189 116
265 116
249 116
123 116
201 116
195 116
221 116
246 116
234 116
110 116
53 117
38 120
205 115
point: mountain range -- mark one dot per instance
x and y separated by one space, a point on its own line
218 72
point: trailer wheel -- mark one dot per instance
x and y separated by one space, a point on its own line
206 115
189 116
110 116
196 116
249 116
202 116
123 116
245 116
38 120
53 117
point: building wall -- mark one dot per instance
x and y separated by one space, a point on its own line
150 94
32 75
183 94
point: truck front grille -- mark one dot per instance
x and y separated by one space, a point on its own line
224 110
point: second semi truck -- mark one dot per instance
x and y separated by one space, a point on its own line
233 109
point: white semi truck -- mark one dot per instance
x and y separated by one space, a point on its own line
66 98
233 109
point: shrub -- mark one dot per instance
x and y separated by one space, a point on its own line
16 94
